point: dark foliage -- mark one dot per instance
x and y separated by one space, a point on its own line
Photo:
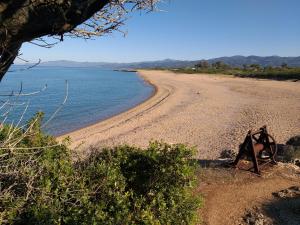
253 71
121 185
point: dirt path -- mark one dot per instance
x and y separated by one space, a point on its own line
212 113
229 195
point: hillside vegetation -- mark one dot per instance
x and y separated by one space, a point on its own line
284 72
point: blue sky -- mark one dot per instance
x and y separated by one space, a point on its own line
191 29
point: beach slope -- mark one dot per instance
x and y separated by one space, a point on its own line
210 112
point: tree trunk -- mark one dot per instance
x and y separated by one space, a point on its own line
7 58
24 20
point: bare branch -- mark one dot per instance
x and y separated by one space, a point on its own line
58 108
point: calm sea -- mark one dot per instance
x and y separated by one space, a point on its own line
93 95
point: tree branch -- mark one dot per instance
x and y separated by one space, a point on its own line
26 20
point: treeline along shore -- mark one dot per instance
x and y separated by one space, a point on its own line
283 72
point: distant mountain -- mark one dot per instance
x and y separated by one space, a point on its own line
167 63
262 61
237 61
67 63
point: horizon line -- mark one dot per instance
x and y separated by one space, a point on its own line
157 60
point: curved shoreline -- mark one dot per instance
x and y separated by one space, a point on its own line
212 113
154 92
117 119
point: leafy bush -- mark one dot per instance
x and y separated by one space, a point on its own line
292 149
41 184
295 141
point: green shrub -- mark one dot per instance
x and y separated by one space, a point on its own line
291 153
295 141
40 184
292 149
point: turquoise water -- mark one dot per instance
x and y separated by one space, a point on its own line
93 95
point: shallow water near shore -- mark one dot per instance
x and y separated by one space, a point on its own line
93 95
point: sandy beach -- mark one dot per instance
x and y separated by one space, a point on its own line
210 112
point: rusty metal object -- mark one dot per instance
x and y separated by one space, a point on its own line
260 147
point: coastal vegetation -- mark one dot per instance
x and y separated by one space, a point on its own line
43 182
284 72
292 150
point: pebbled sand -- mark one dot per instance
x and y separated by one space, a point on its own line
211 112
